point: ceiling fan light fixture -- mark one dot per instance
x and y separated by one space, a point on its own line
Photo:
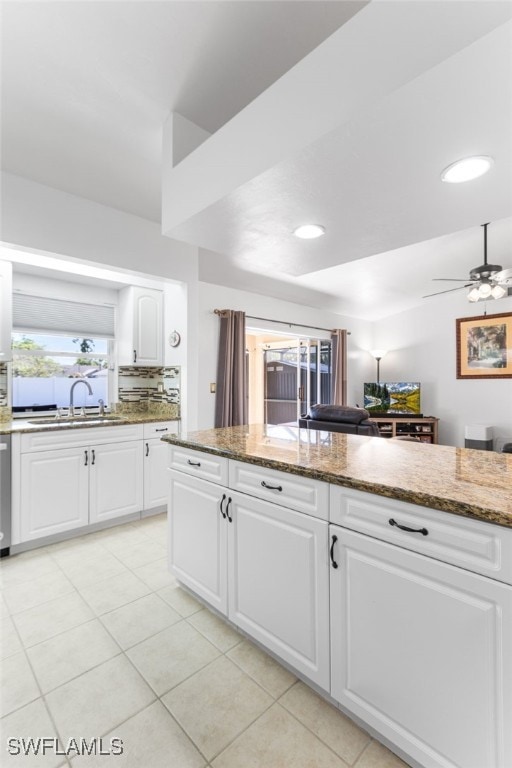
309 231
474 294
498 292
467 169
484 290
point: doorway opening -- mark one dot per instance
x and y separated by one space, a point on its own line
286 375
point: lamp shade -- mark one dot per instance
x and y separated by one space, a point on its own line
378 354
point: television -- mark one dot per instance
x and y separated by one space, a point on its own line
392 397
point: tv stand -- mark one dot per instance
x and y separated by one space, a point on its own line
424 428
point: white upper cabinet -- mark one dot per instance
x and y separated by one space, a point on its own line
140 326
5 310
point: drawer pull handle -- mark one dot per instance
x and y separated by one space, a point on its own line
333 561
194 463
230 519
423 531
147 449
221 503
162 429
272 487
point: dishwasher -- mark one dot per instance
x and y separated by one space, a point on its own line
5 494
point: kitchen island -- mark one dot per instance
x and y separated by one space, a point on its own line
457 480
380 571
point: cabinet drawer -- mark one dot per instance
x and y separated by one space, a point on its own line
477 546
159 429
293 491
76 436
204 465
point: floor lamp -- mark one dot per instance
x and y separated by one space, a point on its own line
378 354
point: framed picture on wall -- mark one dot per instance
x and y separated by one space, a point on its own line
484 347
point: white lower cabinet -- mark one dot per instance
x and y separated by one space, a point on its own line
115 480
421 651
72 487
264 566
278 582
69 479
54 492
198 537
156 475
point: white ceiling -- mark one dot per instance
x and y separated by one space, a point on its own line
86 87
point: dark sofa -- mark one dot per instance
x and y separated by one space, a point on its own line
339 418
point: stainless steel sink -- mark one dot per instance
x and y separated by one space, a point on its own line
51 421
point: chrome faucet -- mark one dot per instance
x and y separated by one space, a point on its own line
79 381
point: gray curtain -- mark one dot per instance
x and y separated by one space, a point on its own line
231 399
339 367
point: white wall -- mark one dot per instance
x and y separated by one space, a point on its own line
211 297
37 217
422 344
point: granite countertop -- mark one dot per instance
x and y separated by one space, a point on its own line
16 426
465 482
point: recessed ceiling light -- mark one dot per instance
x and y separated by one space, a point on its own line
467 169
309 231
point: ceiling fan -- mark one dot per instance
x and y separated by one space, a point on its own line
488 281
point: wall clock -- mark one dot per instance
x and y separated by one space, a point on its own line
174 339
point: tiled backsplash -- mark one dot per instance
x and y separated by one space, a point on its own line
5 412
149 389
3 384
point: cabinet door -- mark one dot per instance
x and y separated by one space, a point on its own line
198 537
420 650
156 474
5 310
147 326
140 323
279 582
54 492
116 486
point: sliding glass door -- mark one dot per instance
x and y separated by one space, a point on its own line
297 374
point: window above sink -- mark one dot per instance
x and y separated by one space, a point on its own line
45 367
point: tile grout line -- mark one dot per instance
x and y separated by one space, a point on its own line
41 696
124 652
158 697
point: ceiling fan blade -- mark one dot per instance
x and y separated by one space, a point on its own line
452 279
449 290
503 276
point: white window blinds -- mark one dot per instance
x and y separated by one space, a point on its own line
39 313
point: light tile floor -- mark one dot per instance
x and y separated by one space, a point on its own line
98 640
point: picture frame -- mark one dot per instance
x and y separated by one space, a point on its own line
484 346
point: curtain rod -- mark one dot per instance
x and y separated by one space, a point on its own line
283 322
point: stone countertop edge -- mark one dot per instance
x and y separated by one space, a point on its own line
453 506
22 426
